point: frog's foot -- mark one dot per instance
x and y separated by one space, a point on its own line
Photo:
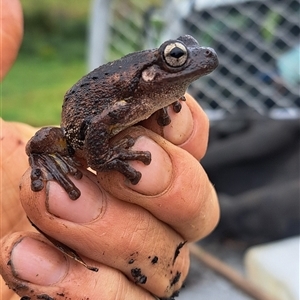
122 154
164 118
50 159
119 155
55 167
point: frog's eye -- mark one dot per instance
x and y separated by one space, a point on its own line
175 54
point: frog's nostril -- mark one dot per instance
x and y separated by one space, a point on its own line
208 52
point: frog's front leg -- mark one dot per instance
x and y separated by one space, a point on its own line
163 118
50 159
103 156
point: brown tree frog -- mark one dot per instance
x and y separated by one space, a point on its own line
109 99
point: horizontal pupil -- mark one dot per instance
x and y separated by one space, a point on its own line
176 52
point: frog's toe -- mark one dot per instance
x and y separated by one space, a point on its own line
137 177
60 168
54 167
177 106
143 156
36 177
124 168
69 166
121 151
125 143
74 194
130 173
37 185
163 118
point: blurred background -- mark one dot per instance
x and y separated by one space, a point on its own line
252 100
257 42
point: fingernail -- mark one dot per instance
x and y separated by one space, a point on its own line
37 262
85 209
156 176
181 126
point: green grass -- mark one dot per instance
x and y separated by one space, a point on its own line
52 58
33 91
50 61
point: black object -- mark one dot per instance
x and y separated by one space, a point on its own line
253 161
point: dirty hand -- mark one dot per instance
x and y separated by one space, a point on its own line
134 235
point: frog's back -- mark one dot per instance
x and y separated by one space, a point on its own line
128 90
105 84
100 89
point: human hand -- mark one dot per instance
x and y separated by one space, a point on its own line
130 233
13 164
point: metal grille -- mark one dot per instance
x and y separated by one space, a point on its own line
257 43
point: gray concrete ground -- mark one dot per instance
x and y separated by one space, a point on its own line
203 283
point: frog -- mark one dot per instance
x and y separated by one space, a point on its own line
106 101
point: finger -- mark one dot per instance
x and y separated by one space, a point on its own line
113 232
11 32
188 128
13 136
14 163
33 268
174 187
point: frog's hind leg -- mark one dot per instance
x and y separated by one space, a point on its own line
49 159
47 167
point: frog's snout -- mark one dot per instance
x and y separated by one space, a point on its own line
209 52
210 56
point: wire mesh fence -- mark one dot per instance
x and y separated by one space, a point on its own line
257 43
